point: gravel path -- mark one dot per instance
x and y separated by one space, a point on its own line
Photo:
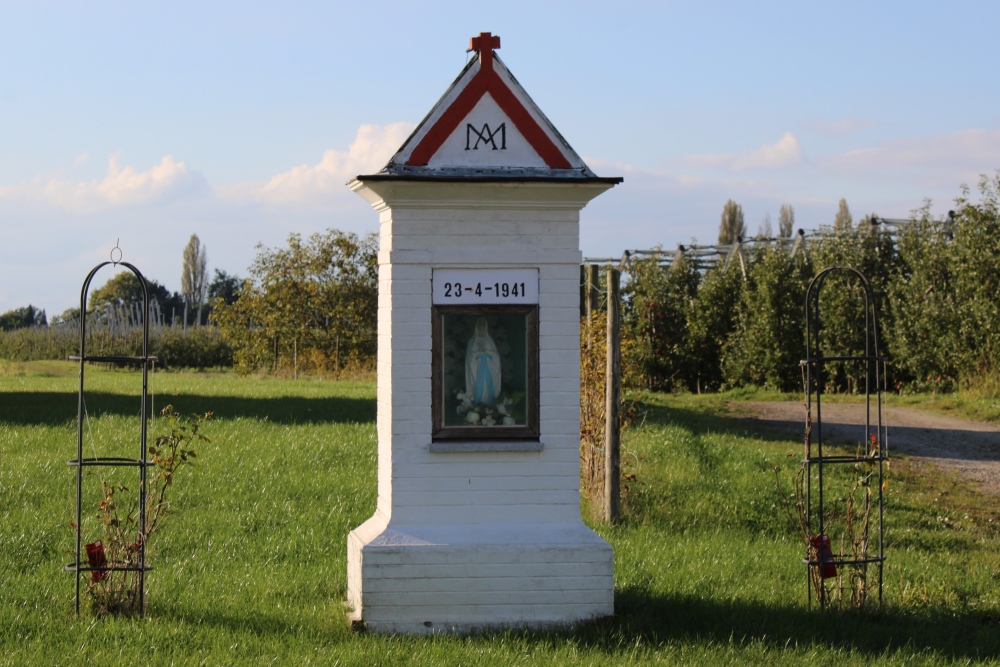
972 448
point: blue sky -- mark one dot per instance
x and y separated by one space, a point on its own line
241 121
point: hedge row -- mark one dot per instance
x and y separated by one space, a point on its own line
197 347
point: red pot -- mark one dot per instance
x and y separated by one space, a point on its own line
95 555
824 554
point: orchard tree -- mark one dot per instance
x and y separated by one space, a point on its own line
124 291
316 299
976 256
711 318
731 226
842 300
925 309
767 340
658 298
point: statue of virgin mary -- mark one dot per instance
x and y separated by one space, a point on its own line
482 366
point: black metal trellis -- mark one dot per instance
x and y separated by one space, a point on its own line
97 564
844 567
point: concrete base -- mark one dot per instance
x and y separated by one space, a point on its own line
464 578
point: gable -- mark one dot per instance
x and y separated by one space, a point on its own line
486 124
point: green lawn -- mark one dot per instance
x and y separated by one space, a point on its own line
253 569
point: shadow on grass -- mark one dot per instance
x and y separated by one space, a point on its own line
701 423
652 621
934 442
273 624
656 619
60 408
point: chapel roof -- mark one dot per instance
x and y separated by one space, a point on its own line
486 127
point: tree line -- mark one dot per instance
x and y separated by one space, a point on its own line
115 316
309 306
312 305
123 293
742 323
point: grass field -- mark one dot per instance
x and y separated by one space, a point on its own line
253 569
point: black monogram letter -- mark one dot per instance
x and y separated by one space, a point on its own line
485 136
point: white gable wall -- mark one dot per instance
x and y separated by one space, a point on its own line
492 141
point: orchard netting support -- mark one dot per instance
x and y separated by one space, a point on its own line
841 485
706 256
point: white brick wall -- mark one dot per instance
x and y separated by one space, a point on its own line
467 539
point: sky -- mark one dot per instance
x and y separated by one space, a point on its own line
138 124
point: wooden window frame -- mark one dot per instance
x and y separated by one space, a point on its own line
528 431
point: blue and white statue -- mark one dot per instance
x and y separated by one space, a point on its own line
482 366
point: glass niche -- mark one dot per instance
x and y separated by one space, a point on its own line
485 372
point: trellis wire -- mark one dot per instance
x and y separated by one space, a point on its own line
707 256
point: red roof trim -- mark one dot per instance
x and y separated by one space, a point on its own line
485 81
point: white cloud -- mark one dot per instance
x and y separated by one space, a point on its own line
785 152
81 218
371 149
163 183
654 207
941 161
975 149
168 180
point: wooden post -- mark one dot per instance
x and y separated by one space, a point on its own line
612 435
593 277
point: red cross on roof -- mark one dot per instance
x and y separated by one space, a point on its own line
485 44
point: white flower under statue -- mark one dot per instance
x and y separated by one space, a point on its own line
481 414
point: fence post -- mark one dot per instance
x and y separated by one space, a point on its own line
612 435
593 278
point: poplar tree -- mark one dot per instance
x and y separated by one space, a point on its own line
786 221
843 221
193 274
731 226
